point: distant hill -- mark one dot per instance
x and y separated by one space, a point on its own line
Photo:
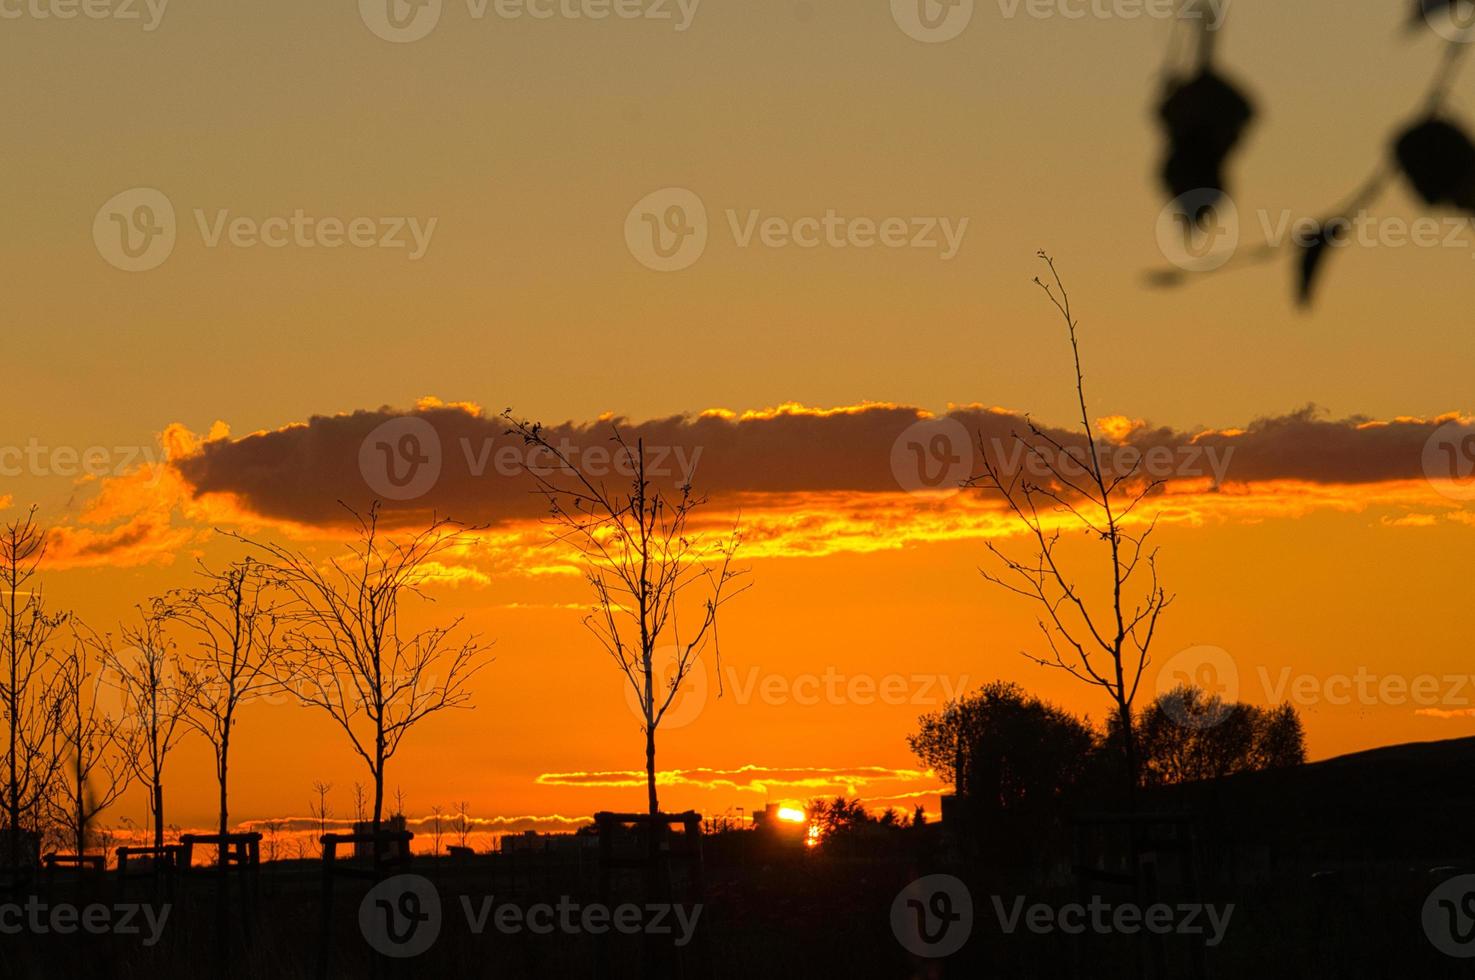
1413 801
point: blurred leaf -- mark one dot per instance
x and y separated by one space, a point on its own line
1204 116
1314 252
1164 278
1428 10
1439 160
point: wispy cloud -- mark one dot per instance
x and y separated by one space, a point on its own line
853 780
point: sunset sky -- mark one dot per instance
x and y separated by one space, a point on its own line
233 385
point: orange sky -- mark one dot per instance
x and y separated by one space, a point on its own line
527 143
1318 565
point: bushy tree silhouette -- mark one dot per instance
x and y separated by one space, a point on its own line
1189 735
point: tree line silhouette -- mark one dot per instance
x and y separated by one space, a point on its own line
89 714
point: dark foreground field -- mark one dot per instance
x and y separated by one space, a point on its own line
1327 871
808 915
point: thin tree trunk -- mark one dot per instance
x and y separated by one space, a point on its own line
12 704
158 813
1129 752
222 773
81 806
378 796
650 769
13 803
222 855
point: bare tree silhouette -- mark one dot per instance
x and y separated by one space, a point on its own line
156 697
640 557
322 812
27 676
350 655
236 619
463 822
97 750
437 818
1107 648
272 827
